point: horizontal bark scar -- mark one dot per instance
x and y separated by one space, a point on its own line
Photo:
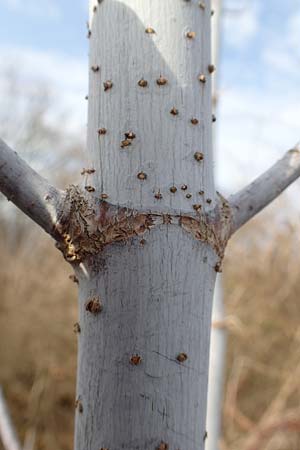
87 226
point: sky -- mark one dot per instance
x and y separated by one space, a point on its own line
258 116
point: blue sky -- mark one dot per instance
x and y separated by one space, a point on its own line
45 25
259 73
259 86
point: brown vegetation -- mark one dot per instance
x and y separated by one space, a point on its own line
262 292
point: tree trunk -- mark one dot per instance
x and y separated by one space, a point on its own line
143 360
217 356
147 233
216 369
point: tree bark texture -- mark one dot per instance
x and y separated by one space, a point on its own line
143 360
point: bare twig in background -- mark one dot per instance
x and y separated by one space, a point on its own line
289 422
34 407
268 388
8 435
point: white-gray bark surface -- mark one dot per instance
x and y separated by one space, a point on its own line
216 370
123 53
156 295
217 356
154 306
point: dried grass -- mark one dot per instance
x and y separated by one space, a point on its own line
37 344
262 292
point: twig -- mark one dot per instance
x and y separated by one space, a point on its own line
253 198
28 190
290 422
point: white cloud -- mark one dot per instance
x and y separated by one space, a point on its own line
255 130
66 77
48 9
293 30
259 120
283 51
240 28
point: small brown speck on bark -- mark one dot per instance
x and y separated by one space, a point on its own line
143 83
107 85
163 446
104 196
78 405
87 171
102 131
191 34
202 78
197 207
194 121
130 135
95 68
89 188
184 187
198 156
74 278
76 328
211 68
149 30
94 305
174 111
135 360
182 357
173 189
218 267
142 176
125 143
161 81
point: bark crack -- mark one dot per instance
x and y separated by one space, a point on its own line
87 226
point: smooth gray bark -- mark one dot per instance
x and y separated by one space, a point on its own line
216 369
157 296
217 356
154 306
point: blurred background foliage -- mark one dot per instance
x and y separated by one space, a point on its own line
38 305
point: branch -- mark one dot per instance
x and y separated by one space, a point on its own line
8 435
253 198
289 423
29 191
